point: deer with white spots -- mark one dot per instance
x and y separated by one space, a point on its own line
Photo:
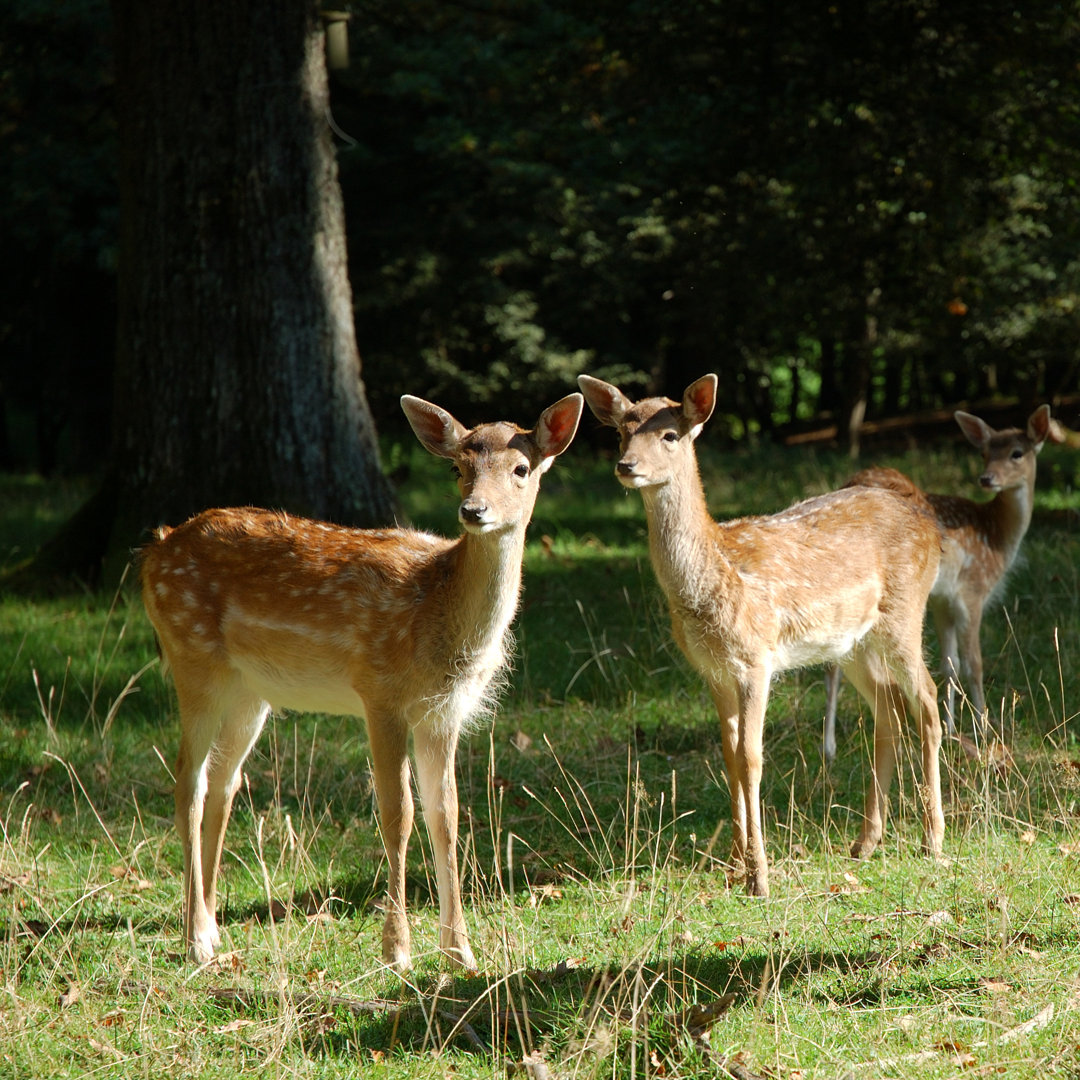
843 578
256 609
980 544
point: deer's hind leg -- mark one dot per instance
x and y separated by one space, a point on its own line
870 677
921 694
219 722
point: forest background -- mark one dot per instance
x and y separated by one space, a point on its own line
849 211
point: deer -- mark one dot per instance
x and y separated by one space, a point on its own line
842 577
257 609
980 544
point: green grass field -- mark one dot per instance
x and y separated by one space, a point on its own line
609 941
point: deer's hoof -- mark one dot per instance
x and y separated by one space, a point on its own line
396 944
201 949
757 885
863 847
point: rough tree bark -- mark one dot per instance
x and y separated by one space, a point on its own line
237 373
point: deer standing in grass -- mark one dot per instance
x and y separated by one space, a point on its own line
980 544
843 577
256 609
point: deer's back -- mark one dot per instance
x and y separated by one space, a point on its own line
312 616
805 585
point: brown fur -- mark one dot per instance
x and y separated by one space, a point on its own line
842 578
255 608
981 542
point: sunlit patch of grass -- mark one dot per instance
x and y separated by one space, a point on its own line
611 941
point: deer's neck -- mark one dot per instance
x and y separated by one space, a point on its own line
680 527
486 584
1005 519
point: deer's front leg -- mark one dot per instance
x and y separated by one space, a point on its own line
726 700
753 694
389 757
945 623
436 752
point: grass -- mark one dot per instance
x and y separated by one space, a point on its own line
610 942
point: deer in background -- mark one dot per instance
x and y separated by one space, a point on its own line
843 578
980 544
256 609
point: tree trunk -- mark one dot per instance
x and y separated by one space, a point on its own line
237 374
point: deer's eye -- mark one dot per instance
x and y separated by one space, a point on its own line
522 471
670 436
1017 454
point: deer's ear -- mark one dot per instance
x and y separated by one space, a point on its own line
1040 427
608 402
978 432
557 426
436 429
699 400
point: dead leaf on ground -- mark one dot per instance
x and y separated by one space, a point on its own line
233 1026
1040 1020
851 885
105 1048
9 884
953 1046
323 1024
228 961
1023 944
533 1066
539 893
129 874
723 946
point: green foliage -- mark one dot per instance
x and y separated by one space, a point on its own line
679 190
816 202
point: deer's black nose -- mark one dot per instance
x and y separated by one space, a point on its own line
473 512
626 467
